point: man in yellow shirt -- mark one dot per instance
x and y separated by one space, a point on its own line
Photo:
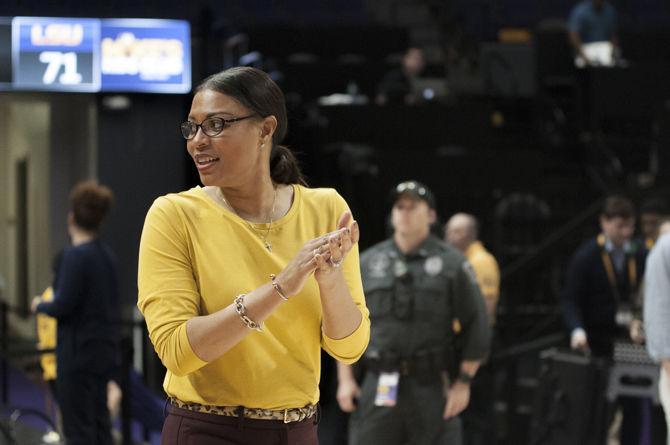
462 231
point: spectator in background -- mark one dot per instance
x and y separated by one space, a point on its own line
46 333
601 286
652 213
592 21
46 339
657 315
428 318
86 306
146 406
396 86
462 232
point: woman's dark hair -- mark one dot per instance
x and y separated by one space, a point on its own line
90 203
255 90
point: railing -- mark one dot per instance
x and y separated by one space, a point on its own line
547 247
17 412
516 359
533 346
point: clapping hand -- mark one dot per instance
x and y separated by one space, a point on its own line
339 243
321 256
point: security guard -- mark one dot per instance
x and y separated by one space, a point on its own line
428 318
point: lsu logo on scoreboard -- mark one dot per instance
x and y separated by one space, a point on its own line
57 34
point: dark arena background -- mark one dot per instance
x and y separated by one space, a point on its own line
501 125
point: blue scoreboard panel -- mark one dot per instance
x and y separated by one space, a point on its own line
145 55
91 55
56 54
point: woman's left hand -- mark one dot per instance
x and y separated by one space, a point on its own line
340 243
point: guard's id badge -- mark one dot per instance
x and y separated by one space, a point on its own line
387 389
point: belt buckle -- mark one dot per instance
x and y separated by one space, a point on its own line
286 420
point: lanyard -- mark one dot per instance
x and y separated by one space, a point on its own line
609 268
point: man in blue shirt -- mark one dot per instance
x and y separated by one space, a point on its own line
592 21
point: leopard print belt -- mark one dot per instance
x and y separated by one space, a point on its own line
288 415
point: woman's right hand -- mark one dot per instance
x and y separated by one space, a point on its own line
292 279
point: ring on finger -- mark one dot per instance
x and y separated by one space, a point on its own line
336 263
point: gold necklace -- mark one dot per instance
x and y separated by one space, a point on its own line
266 243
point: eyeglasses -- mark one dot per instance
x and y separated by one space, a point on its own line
212 126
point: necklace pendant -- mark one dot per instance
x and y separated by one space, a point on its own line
268 246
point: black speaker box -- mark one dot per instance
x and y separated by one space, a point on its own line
570 405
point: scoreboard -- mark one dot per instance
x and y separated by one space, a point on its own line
55 54
91 55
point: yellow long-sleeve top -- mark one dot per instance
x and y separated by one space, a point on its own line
196 257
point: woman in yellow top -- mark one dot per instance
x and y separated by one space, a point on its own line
244 280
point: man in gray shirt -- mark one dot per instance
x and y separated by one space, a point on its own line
657 315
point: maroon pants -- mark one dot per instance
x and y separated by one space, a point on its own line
183 427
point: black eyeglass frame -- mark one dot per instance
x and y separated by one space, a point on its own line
190 125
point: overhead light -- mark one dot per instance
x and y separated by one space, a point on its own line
116 102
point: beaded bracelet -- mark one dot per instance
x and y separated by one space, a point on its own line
242 312
277 287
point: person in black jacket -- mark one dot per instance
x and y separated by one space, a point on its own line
600 294
86 305
602 281
396 86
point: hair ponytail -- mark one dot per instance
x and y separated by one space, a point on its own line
284 166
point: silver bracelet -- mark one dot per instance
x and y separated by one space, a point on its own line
242 312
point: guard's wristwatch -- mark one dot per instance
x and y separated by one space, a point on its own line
464 377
